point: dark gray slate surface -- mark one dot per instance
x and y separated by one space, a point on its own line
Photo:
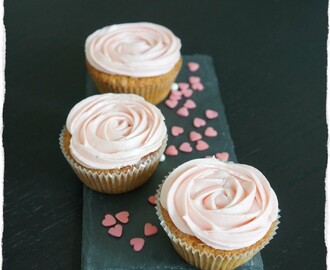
101 251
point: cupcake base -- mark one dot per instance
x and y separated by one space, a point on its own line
113 181
153 89
202 256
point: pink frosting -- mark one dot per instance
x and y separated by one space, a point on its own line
133 49
114 130
227 206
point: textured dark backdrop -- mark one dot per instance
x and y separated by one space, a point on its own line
270 58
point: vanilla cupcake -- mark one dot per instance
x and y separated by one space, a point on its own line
218 215
139 58
114 142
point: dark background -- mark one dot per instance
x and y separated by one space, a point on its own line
270 59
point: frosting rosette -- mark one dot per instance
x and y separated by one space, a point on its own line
114 130
133 49
225 205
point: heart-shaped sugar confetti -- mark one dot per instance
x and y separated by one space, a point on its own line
194 136
176 131
122 216
192 66
175 97
224 156
116 231
187 93
182 112
199 122
185 147
137 243
197 86
108 221
152 199
171 103
189 104
183 85
201 145
210 132
194 79
171 151
150 229
211 114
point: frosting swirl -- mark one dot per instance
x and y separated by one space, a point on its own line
225 205
114 130
133 49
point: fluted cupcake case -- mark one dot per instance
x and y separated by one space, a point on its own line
198 254
113 181
153 89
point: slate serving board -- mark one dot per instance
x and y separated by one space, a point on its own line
101 251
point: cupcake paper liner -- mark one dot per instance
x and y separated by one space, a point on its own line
207 260
153 89
119 181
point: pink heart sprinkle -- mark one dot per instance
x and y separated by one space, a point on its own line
195 136
174 97
137 243
182 112
201 145
211 114
183 85
224 156
197 86
176 131
185 147
176 93
189 104
116 231
210 132
187 92
208 156
192 66
152 199
108 221
150 229
171 151
199 122
122 216
194 79
171 103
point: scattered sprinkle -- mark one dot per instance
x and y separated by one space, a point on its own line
201 145
183 112
192 66
199 122
211 114
176 131
185 147
108 220
174 87
116 231
122 216
171 151
195 136
137 243
210 132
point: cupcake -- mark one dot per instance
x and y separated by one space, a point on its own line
138 58
114 142
217 215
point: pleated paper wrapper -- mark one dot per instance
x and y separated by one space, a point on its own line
114 182
153 89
